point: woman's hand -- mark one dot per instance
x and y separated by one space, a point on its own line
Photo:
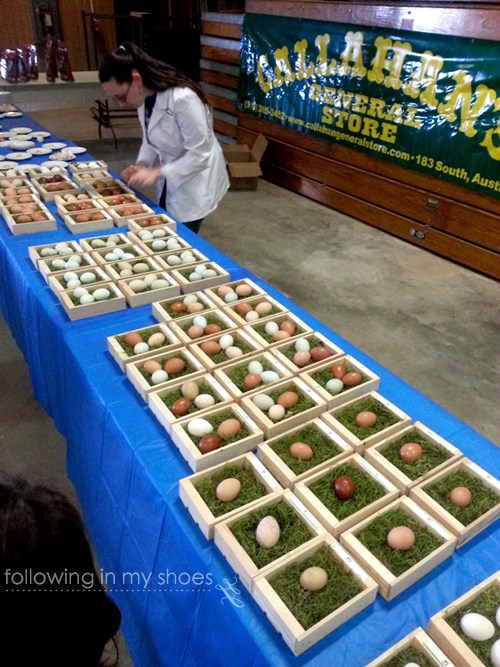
144 175
128 172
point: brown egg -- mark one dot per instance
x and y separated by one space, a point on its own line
263 308
301 358
280 335
98 216
338 371
366 418
150 366
210 347
411 451
252 380
288 326
195 307
195 331
287 399
401 538
180 406
343 487
299 450
174 366
228 428
209 443
319 353
352 379
223 290
36 216
212 329
24 217
243 308
228 489
178 307
460 496
82 217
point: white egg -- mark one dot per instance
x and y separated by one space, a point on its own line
158 244
269 376
73 263
45 252
271 327
194 276
140 348
98 243
128 255
69 275
334 386
158 233
302 345
173 244
73 283
79 292
495 654
125 265
187 259
86 298
159 284
190 298
200 321
145 235
63 249
137 286
126 273
141 267
110 256
497 616
226 341
173 260
255 367
159 376
186 253
58 264
477 627
231 297
101 294
204 401
263 402
199 427
118 253
209 273
113 239
88 277
150 278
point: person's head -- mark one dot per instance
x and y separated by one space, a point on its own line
129 75
58 611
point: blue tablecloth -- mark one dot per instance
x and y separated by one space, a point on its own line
180 600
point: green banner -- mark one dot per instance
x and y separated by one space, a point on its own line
426 102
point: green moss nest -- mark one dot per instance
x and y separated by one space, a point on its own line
366 490
170 397
251 489
293 533
310 607
145 334
324 375
323 448
433 455
485 604
409 655
239 373
216 420
289 350
211 319
304 402
373 537
221 356
347 417
483 497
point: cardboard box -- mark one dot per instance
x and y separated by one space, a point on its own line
243 163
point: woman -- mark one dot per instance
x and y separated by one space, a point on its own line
57 611
179 151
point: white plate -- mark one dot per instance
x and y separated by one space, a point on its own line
39 133
55 145
54 163
5 166
18 156
21 144
24 168
76 150
12 114
20 130
39 150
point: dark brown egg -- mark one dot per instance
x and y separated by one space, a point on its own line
209 443
178 307
343 487
352 379
174 366
180 406
319 353
212 329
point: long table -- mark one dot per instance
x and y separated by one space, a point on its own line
180 600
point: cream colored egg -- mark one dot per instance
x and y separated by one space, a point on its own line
228 489
276 412
313 579
233 352
101 294
156 339
137 286
203 401
140 267
267 532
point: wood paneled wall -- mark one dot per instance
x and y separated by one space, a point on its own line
438 216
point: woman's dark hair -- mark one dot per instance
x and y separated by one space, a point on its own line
156 74
58 612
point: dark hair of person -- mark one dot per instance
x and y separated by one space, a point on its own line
156 74
58 612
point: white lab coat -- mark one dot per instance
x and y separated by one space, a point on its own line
180 135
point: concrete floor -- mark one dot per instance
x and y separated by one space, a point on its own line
429 321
